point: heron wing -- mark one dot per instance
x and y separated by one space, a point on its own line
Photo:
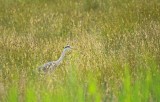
47 67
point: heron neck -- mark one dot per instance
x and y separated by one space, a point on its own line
62 56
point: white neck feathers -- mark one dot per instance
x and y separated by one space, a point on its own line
62 56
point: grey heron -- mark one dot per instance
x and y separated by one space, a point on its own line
50 66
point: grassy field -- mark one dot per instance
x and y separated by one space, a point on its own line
116 56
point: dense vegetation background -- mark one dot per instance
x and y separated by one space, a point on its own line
116 56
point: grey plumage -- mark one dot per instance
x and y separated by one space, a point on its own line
47 67
50 66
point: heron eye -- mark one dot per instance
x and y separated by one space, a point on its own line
67 47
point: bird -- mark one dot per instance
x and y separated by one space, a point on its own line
50 66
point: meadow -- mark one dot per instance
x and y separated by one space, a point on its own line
116 55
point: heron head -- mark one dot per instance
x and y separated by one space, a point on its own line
67 47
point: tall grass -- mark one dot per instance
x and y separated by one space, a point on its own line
116 56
